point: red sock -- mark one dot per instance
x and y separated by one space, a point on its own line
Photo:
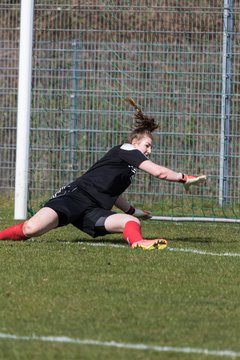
14 232
132 232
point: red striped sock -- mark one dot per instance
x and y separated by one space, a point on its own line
14 232
132 232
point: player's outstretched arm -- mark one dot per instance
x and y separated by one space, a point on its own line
164 173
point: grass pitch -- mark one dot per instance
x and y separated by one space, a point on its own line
61 285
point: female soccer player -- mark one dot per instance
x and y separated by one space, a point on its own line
87 202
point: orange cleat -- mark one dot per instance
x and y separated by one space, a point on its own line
153 244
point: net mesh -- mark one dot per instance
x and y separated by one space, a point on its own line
88 57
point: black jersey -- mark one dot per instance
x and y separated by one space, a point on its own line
110 176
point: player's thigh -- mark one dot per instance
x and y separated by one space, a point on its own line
44 220
115 223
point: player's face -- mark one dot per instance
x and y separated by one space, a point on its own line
144 145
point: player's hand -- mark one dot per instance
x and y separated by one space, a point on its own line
142 214
189 180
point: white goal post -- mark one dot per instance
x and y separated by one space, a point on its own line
24 108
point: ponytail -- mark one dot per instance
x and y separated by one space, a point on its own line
144 125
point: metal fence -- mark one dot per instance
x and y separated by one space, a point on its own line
178 59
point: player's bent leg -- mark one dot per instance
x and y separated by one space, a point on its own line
130 226
43 221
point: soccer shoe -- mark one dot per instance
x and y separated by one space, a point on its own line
194 180
159 244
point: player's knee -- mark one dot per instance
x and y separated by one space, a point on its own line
131 218
29 229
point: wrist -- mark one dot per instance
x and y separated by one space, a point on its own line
183 178
130 211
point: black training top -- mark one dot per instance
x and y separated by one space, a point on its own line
110 176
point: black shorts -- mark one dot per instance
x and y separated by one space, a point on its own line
75 207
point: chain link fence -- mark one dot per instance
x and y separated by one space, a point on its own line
88 57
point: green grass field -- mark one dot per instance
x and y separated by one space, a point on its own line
66 296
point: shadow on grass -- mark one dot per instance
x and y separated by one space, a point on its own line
122 242
170 240
204 240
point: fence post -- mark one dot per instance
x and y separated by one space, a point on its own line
226 103
73 124
24 109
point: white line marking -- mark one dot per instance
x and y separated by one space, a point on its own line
65 339
98 244
202 252
192 251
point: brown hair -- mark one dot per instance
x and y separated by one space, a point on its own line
144 125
